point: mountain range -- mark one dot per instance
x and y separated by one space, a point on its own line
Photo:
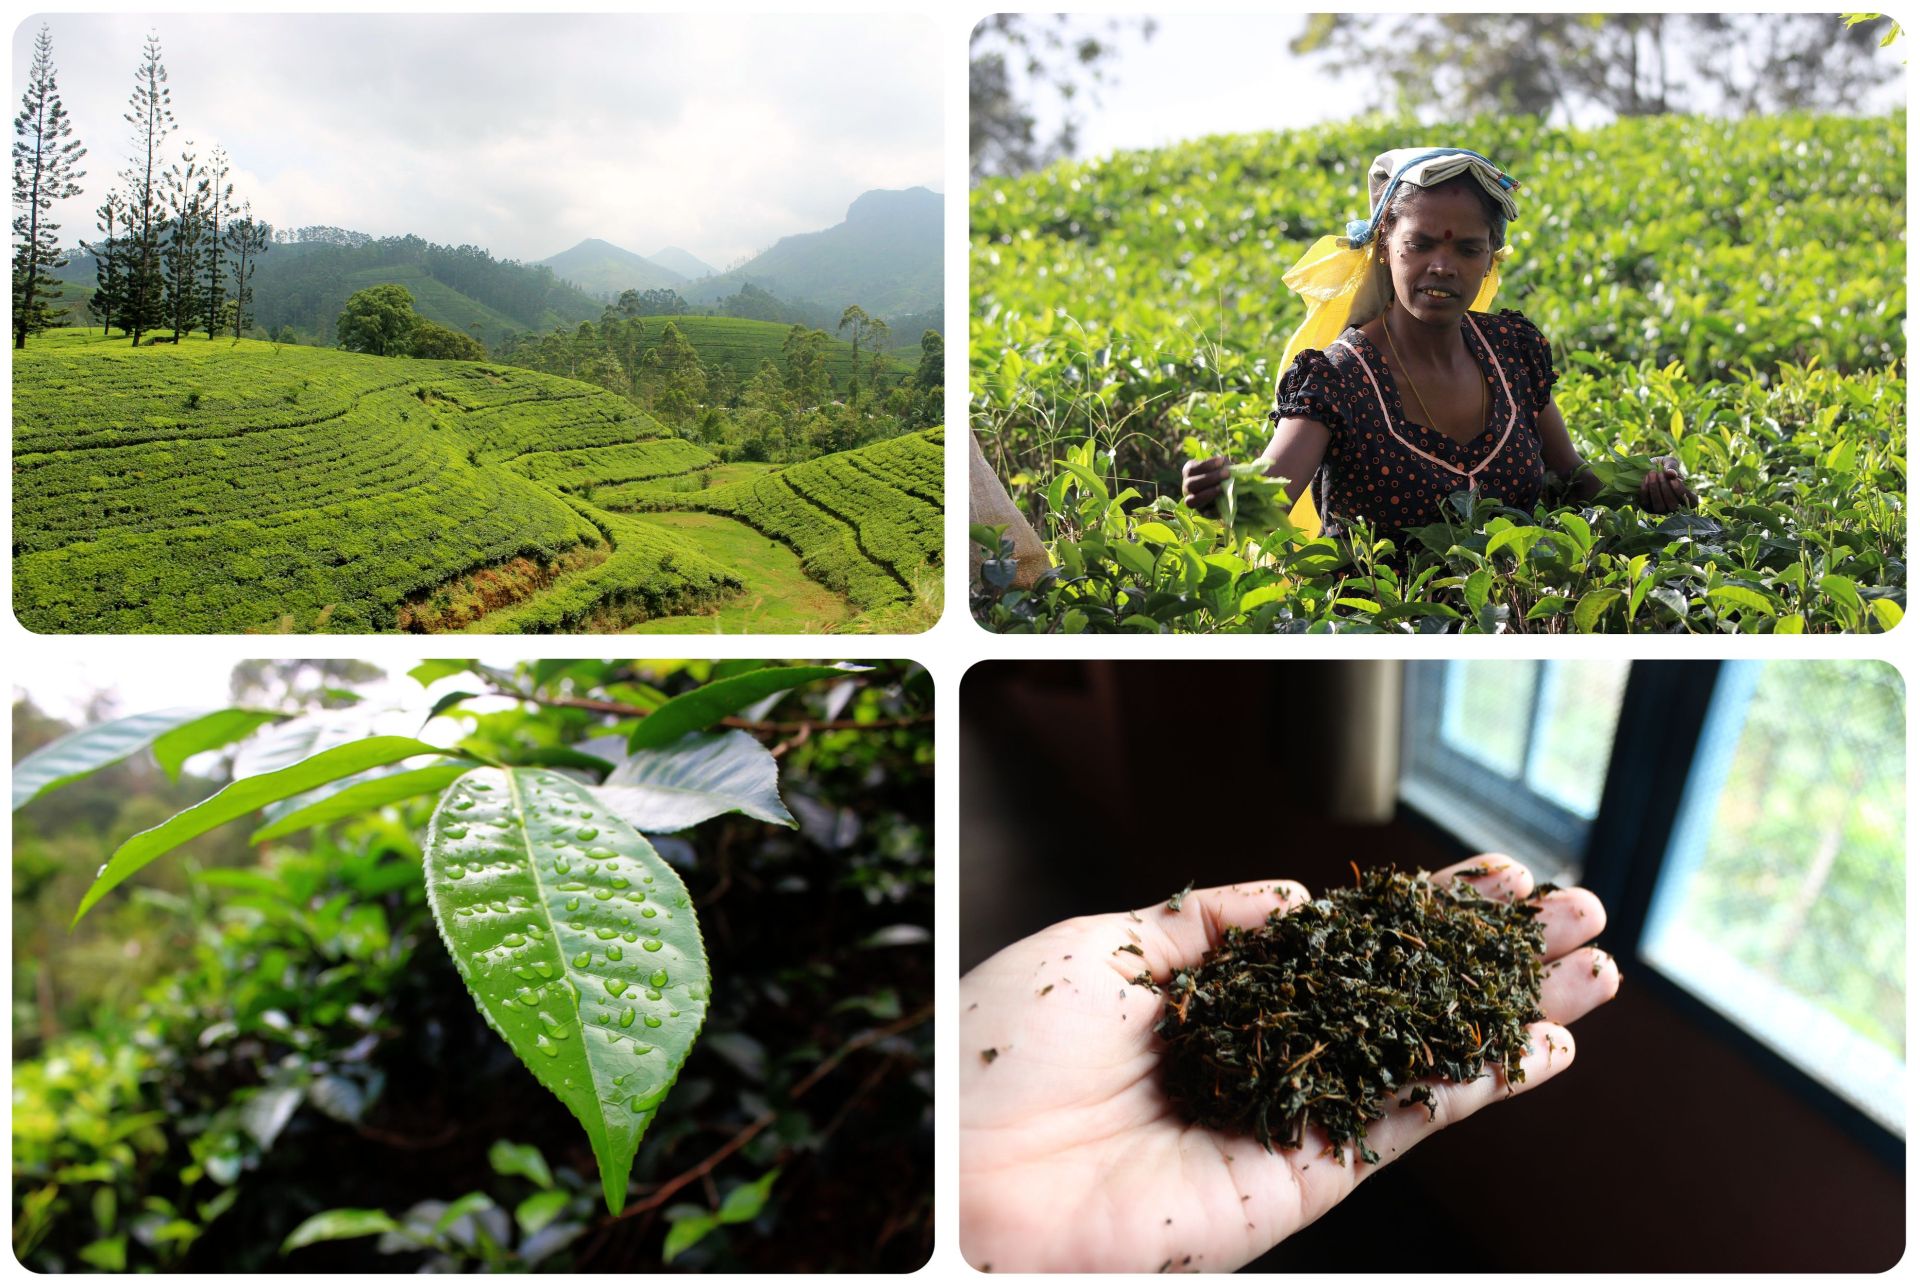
885 256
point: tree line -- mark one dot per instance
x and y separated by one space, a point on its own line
177 251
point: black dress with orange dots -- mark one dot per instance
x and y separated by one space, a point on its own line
1382 466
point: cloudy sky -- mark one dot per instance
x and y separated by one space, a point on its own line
523 134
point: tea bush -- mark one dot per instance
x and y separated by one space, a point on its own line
301 1079
1743 309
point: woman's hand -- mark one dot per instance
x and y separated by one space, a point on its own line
1201 480
1664 489
1071 1157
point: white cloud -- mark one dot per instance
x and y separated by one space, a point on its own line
524 133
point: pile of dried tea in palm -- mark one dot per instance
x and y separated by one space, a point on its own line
1322 1013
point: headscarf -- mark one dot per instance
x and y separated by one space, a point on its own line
1342 280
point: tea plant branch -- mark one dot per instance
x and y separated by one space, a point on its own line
661 1195
763 727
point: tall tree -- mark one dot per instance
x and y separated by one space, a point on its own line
109 262
878 332
150 112
246 239
186 248
856 317
45 161
805 350
218 206
377 320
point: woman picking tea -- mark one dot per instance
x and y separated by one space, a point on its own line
1416 392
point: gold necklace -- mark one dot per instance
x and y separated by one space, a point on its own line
1402 364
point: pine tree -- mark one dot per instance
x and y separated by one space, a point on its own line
150 112
245 240
219 206
44 158
186 248
109 262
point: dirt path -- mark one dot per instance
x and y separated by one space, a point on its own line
779 598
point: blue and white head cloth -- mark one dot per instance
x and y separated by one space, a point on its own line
1426 167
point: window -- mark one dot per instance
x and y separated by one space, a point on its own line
1512 755
1782 897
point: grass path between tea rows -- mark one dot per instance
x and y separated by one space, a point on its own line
778 597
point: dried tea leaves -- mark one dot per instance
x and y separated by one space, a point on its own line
1323 1013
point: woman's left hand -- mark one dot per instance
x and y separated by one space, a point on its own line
1664 489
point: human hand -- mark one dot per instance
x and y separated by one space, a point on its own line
1201 480
1071 1157
1664 489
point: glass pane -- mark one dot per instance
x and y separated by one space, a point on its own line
1783 897
1579 709
1487 711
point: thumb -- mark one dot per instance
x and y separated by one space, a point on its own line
1171 940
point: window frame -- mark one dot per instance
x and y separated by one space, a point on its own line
1664 713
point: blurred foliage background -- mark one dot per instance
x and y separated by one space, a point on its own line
252 1036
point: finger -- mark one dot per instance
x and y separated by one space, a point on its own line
1549 1052
1569 917
1172 940
1495 875
1577 984
1201 497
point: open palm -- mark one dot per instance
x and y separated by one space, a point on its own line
1073 1159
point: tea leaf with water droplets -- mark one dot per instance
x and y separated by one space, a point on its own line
701 775
242 797
578 943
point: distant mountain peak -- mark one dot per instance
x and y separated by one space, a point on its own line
883 202
690 266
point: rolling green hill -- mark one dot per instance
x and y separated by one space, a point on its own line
886 256
741 345
223 488
604 270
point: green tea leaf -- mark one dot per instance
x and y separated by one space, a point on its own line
175 736
338 1225
690 1225
523 1159
242 797
539 1210
578 943
365 796
1592 606
707 705
702 775
432 671
1741 596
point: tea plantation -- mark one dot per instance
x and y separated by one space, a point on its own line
1742 307
865 522
220 487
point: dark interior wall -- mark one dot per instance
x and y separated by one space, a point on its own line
1095 786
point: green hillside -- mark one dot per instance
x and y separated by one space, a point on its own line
887 255
224 488
865 522
740 345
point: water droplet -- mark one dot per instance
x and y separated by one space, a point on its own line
546 1047
651 944
605 934
631 936
626 1018
601 853
582 960
619 883
614 953
527 996
462 805
652 994
574 887
481 786
586 832
615 986
523 973
659 978
513 940
651 1021
451 832
603 895
647 911
573 904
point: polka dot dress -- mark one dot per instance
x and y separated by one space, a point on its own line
1382 466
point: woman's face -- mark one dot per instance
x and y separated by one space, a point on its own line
1440 250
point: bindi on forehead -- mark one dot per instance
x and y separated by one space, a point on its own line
1447 235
